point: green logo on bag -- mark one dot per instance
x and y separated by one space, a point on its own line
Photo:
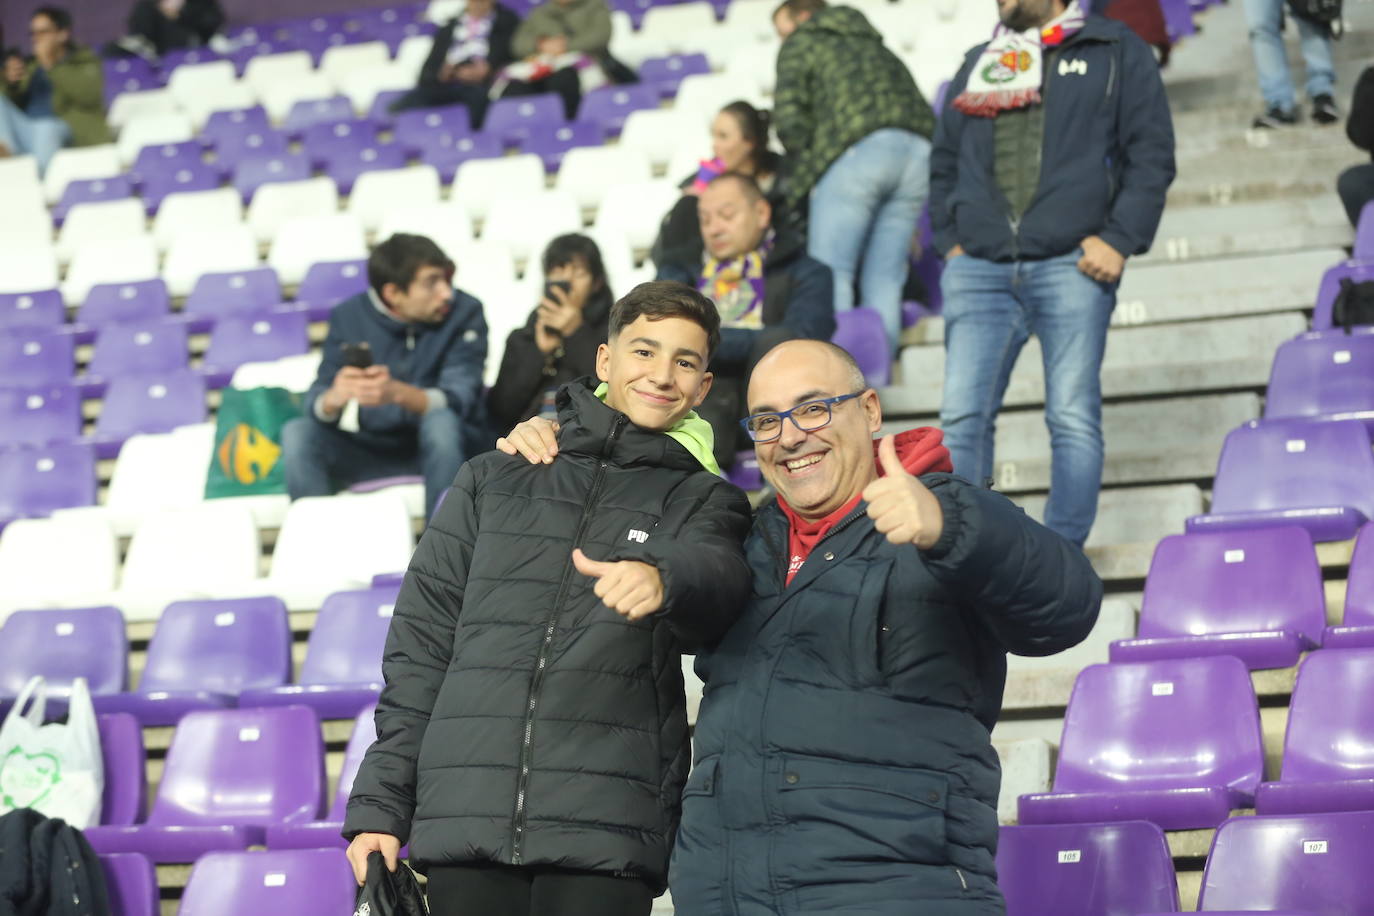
26 779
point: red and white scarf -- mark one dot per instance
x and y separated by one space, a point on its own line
1010 71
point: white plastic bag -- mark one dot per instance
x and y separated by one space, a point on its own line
54 769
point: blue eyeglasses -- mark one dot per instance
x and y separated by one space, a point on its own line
807 417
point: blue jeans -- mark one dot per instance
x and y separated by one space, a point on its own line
1271 59
38 137
990 311
864 211
322 460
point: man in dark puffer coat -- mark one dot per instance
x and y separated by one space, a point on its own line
532 737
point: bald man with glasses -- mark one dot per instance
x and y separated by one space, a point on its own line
842 759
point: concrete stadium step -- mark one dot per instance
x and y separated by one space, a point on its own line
1147 441
1217 355
1189 233
1255 176
1134 515
1044 683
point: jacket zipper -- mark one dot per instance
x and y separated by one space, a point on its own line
550 625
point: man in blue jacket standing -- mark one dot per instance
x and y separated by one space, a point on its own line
400 383
1050 168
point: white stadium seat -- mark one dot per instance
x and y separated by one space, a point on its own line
306 240
589 172
525 223
188 211
705 94
446 222
229 97
27 266
54 562
659 132
411 55
25 222
19 182
125 260
294 373
79 164
282 97
752 17
340 61
363 85
129 105
635 211
212 249
100 221
375 193
484 183
268 70
277 202
674 22
152 130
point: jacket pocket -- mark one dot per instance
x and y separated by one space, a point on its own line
702 780
866 624
841 812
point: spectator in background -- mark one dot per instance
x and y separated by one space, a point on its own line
856 131
1356 184
169 25
467 54
400 383
558 42
1059 170
766 288
1266 18
739 143
55 99
559 343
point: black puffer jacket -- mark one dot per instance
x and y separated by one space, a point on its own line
522 721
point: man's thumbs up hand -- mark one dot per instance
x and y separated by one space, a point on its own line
628 587
900 505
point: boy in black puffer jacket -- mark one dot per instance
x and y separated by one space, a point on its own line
532 736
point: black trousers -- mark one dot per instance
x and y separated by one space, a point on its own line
509 890
1356 187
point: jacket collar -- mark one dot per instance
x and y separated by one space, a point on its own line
589 427
1096 28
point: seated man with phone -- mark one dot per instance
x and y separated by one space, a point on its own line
400 384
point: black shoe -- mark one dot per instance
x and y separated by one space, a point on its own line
1275 117
1324 110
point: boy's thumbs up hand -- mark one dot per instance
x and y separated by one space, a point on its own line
628 587
900 505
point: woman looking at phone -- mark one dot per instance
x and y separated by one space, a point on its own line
558 343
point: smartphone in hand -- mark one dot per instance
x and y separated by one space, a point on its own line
357 355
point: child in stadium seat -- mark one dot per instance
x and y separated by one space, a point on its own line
532 735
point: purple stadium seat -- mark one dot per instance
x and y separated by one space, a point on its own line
328 283
40 308
1319 475
302 882
550 141
323 142
1178 18
110 303
135 83
126 769
254 143
1327 765
251 174
1253 594
131 882
164 157
36 481
1355 271
242 55
325 833
62 646
1357 626
224 127
746 474
388 580
1364 235
219 294
1314 865
175 57
342 671
251 338
1175 742
393 33
609 106
666 73
128 74
36 356
380 111
345 165
203 653
448 157
229 774
513 119
133 347
309 112
860 331
419 128
153 402
92 190
200 176
39 415
1323 375
1120 869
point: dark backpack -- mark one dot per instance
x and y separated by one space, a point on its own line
1354 304
389 893
48 869
1325 13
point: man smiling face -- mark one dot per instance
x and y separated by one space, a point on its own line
655 370
819 471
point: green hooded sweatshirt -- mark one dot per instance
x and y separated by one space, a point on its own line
838 83
692 433
78 94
